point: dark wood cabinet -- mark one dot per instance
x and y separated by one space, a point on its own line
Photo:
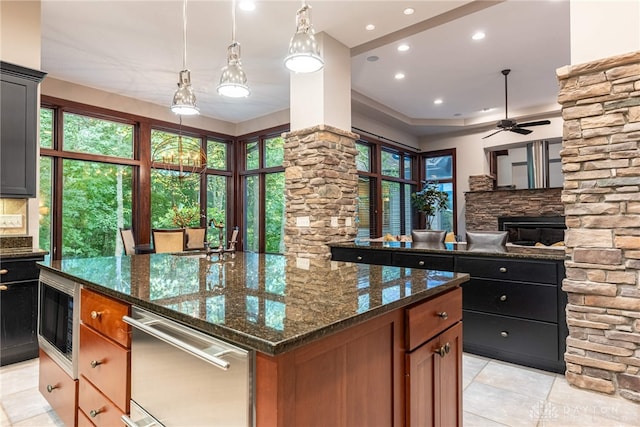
513 306
18 130
18 305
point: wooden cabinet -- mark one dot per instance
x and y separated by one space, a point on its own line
19 308
514 310
434 364
367 375
18 130
104 360
59 389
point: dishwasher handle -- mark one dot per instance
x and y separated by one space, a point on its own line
128 421
216 361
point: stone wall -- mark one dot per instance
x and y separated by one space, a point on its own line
482 208
601 166
321 185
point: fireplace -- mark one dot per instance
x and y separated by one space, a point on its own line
529 230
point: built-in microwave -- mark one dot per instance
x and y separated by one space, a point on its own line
58 319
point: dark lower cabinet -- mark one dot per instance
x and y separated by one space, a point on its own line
18 311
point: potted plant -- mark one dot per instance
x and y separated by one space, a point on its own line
429 200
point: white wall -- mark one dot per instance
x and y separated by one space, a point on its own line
20 44
600 29
472 157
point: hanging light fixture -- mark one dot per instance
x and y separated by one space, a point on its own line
233 81
184 100
304 52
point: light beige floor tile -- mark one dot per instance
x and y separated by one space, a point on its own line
500 405
24 404
18 377
48 419
531 382
578 403
473 420
471 366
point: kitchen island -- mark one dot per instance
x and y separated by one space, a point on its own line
332 343
513 304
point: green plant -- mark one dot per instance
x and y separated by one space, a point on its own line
429 200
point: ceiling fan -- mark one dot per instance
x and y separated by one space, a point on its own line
512 125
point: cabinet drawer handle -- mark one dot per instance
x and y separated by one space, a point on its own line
95 363
504 334
3 287
443 315
503 269
443 350
50 387
96 314
94 412
503 298
359 258
4 271
421 263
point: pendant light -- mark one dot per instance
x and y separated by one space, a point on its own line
304 52
184 100
233 81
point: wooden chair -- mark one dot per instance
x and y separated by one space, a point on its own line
168 240
234 240
128 242
195 238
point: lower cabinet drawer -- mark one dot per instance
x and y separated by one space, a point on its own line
509 269
426 261
59 389
366 256
96 407
528 338
428 319
525 300
106 365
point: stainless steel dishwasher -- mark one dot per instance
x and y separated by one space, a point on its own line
181 377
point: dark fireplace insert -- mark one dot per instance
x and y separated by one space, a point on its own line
530 230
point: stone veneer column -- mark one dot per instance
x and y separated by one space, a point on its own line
321 184
601 165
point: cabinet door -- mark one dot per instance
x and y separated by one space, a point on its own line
59 389
434 381
18 107
18 323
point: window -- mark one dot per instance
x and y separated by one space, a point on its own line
439 167
86 134
264 194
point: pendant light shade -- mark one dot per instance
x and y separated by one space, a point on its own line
233 81
304 52
184 100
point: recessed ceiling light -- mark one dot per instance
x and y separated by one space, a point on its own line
486 109
372 58
247 5
403 47
437 101
408 11
399 76
370 27
457 115
478 35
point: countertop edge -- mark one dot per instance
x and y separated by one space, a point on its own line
256 343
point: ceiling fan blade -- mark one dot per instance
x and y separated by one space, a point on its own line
520 131
491 134
538 123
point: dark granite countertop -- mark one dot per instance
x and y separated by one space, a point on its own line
269 303
508 251
13 253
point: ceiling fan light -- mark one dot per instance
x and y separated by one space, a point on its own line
304 52
184 100
233 80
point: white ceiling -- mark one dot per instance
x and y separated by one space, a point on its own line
134 48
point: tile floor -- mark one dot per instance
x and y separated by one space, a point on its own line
496 394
